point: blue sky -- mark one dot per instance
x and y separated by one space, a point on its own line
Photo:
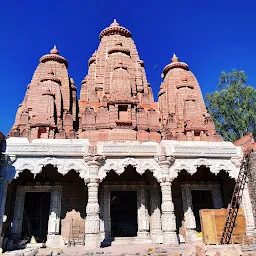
209 35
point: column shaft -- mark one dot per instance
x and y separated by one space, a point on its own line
18 213
3 193
143 218
248 213
92 223
190 220
168 215
155 223
54 238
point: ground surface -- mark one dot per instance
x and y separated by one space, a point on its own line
144 249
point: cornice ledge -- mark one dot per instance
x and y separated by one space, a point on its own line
47 147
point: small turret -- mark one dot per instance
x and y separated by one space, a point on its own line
183 112
50 97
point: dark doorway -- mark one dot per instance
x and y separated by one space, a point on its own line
123 212
201 199
36 215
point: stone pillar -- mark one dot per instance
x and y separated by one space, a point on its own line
190 220
92 221
16 227
3 193
155 220
143 218
168 216
216 197
54 238
252 183
248 213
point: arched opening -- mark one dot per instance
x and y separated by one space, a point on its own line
39 205
202 190
129 204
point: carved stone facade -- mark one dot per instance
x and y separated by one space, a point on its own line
115 139
156 214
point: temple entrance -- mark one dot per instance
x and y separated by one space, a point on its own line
123 212
201 199
36 215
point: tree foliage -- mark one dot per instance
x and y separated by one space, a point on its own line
233 106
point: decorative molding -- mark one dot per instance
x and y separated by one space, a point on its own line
201 149
141 165
128 149
47 147
215 166
64 165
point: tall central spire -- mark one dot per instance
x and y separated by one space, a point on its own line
116 99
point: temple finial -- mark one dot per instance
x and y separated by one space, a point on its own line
114 23
54 50
175 58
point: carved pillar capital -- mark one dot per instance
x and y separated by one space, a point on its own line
165 162
94 160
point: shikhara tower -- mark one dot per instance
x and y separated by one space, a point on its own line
114 160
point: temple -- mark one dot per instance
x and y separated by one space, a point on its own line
113 164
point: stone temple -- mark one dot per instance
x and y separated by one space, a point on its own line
132 170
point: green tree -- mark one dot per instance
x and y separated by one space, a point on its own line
233 106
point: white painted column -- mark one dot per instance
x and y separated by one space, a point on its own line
54 239
247 209
190 220
143 217
16 228
3 193
168 215
155 218
92 221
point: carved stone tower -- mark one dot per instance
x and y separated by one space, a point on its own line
49 108
116 102
183 112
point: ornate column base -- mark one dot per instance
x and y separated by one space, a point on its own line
55 241
190 235
170 238
143 234
102 231
92 241
157 237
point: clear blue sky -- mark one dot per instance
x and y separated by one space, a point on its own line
209 35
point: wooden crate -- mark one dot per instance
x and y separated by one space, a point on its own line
213 222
